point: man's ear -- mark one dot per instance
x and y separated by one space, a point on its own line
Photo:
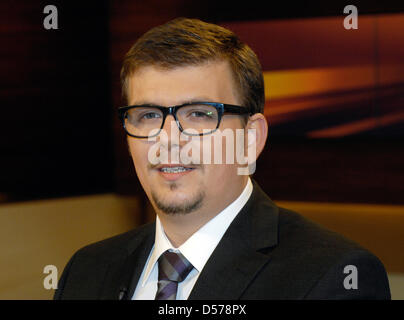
256 132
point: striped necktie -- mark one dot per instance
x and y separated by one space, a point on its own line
173 268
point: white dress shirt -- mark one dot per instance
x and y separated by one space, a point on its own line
197 249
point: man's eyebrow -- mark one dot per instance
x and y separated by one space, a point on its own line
146 103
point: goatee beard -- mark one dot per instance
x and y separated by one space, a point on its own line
184 208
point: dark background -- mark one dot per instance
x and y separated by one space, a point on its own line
59 89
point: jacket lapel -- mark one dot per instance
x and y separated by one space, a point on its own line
125 270
240 255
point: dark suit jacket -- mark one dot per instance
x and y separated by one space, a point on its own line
268 252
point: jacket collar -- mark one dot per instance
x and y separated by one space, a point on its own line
240 254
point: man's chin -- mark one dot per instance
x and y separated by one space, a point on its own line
183 203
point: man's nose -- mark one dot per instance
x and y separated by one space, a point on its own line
171 130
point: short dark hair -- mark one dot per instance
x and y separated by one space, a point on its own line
183 42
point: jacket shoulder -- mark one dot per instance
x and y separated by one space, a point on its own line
110 247
321 256
82 277
304 233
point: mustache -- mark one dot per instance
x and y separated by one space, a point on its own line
162 154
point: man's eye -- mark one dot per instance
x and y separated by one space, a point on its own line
202 114
150 115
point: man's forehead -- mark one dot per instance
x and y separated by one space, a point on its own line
191 99
161 86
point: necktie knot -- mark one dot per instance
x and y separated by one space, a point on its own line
173 266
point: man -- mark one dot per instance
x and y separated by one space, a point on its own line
217 235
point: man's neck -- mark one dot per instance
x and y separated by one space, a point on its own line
180 227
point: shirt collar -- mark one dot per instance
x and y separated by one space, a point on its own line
199 247
161 245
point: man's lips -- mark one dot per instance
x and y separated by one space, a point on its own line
174 171
171 166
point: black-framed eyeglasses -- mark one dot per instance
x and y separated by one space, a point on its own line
194 119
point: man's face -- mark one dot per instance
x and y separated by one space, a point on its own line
206 186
